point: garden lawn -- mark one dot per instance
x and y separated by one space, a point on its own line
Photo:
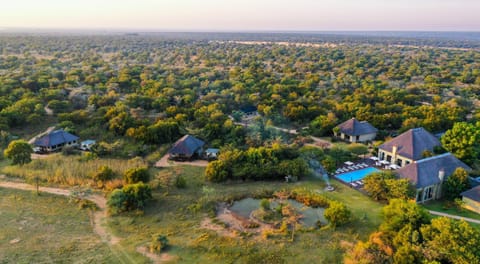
177 213
443 207
47 229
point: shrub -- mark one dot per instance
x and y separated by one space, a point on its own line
265 204
135 175
180 182
159 242
130 197
117 201
309 198
216 171
337 214
137 195
103 174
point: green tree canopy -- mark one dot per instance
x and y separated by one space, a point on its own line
463 140
19 151
456 184
451 241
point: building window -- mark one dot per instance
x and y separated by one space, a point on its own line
428 193
358 138
399 162
407 162
418 196
382 155
389 158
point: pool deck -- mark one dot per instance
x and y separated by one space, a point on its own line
358 185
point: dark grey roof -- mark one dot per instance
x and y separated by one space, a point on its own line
248 109
353 127
186 146
412 143
55 138
473 194
423 173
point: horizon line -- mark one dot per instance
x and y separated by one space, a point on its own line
192 30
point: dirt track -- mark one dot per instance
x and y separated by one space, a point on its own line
98 218
165 162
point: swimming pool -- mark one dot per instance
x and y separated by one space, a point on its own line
356 175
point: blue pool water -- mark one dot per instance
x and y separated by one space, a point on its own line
356 175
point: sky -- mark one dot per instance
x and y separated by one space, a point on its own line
243 15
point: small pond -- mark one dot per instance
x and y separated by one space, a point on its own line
310 215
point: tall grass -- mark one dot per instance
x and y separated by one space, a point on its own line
68 170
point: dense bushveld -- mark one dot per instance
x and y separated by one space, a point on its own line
144 90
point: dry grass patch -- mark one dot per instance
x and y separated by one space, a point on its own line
69 170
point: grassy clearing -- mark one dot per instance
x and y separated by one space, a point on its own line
177 213
47 229
68 170
443 207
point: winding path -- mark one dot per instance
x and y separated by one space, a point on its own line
471 220
99 217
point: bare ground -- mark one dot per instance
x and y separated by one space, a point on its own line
165 162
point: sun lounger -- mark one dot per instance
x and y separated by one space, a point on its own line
360 183
354 184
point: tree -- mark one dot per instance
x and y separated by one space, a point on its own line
137 195
19 151
135 175
399 213
216 171
376 186
323 124
451 241
337 214
329 164
456 184
463 140
399 188
377 249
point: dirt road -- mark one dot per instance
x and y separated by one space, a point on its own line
165 162
99 216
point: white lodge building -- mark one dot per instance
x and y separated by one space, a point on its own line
353 131
428 175
408 147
